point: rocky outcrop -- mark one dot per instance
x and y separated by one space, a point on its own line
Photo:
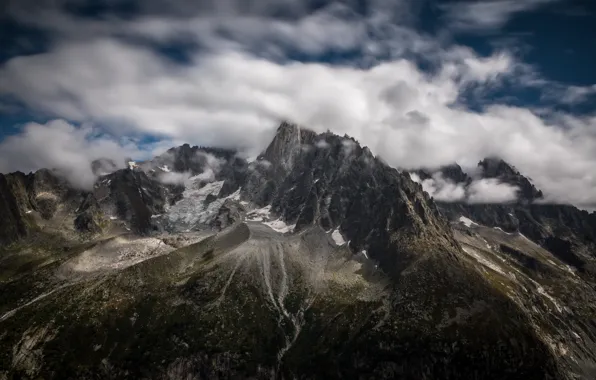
89 219
229 213
26 200
14 204
499 169
566 231
131 196
333 182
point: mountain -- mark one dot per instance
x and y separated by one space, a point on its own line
564 230
316 260
497 168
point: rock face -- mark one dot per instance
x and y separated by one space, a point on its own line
566 231
332 182
29 202
497 168
131 196
316 260
14 203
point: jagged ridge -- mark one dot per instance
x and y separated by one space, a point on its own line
240 305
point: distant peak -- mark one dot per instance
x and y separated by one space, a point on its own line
495 167
287 127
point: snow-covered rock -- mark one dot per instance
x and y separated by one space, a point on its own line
467 222
337 238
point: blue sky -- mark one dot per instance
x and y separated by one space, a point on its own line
421 83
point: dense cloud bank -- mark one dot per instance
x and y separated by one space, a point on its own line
239 81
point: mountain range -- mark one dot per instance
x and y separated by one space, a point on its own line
315 260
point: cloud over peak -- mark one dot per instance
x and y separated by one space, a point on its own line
363 72
480 190
68 149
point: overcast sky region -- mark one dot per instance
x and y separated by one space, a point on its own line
421 83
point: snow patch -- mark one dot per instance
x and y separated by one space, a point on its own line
500 229
467 222
524 237
259 215
28 212
415 177
364 253
337 238
569 269
235 196
541 291
165 168
132 165
280 226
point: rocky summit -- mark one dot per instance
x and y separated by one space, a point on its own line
314 261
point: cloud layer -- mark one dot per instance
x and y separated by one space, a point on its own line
483 190
66 148
240 79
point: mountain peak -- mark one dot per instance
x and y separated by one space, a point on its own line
286 145
493 167
287 127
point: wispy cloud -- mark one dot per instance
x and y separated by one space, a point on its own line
486 15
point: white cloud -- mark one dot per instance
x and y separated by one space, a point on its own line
64 147
234 92
490 190
577 94
174 178
484 190
442 189
211 165
415 177
235 100
220 96
487 14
